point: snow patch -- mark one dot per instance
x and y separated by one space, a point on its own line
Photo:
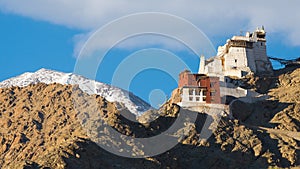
113 94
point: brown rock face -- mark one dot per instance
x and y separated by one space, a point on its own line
39 124
45 126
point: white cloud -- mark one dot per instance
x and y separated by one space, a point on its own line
214 17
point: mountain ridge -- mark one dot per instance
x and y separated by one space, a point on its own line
126 99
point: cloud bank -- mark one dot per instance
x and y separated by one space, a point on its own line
213 17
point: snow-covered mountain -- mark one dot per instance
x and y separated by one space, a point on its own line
113 94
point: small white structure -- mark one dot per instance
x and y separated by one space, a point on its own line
193 94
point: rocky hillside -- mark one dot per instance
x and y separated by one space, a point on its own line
44 126
123 98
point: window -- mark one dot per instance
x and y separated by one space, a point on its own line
235 60
198 91
191 91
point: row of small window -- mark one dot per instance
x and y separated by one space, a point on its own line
198 93
261 44
197 99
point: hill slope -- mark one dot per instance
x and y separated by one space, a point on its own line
40 127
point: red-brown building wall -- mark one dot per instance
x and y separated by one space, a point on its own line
214 90
212 84
187 79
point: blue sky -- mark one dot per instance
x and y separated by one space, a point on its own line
31 40
28 45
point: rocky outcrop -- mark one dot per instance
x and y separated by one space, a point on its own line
44 126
